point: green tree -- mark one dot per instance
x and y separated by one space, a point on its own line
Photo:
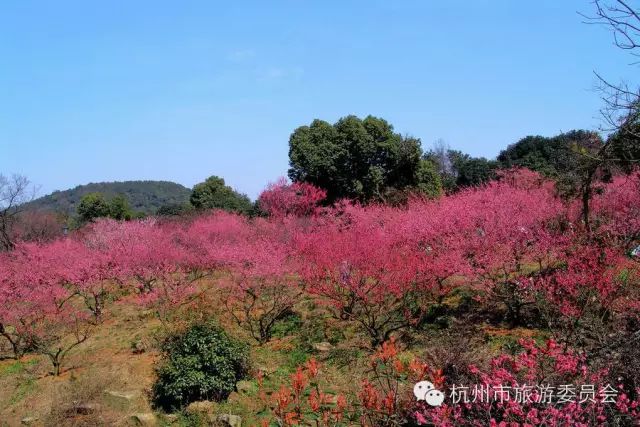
427 179
92 206
119 208
472 171
458 170
215 194
174 209
568 157
623 146
96 205
356 158
552 156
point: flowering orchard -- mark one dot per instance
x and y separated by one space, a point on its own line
517 250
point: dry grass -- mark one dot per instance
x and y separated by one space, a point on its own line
27 389
81 401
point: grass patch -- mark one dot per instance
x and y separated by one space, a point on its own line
287 325
508 340
296 358
343 357
17 367
24 388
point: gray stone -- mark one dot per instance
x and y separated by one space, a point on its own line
228 420
29 421
200 407
322 346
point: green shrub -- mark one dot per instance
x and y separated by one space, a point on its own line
288 324
202 363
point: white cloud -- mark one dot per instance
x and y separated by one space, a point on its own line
281 73
241 55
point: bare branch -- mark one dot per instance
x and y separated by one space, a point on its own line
14 193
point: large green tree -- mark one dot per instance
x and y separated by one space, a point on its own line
119 208
473 171
359 159
96 205
551 156
213 193
566 157
92 206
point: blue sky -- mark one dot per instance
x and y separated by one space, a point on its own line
119 90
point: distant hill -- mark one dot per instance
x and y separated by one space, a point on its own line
143 196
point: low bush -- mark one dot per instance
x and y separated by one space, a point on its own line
203 363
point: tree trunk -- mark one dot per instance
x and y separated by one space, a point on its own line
586 199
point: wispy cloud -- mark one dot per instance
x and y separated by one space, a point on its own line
247 59
281 73
241 55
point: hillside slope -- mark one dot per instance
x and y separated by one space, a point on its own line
143 196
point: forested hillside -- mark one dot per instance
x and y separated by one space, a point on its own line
143 196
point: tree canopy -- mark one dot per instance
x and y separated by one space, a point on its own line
359 159
551 156
566 157
96 205
213 193
473 171
623 145
119 208
92 206
458 170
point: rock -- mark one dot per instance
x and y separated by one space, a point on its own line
171 418
235 397
29 421
322 346
246 387
201 407
121 399
265 369
146 419
146 314
228 420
